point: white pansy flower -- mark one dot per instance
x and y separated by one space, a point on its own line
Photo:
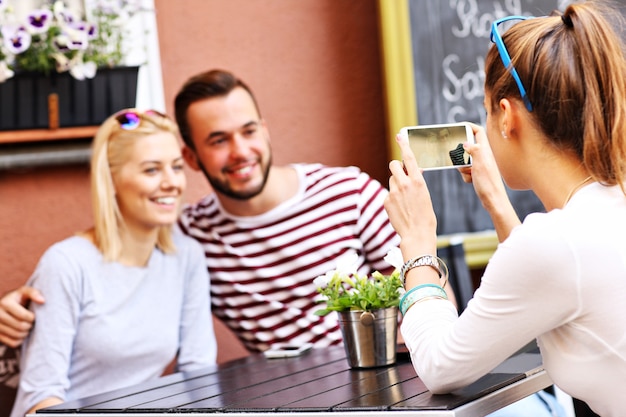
16 38
323 280
51 37
348 263
62 62
76 39
81 70
39 21
394 258
5 72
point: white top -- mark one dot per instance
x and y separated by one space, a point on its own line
262 267
106 326
560 277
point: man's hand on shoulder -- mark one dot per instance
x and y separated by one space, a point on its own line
15 318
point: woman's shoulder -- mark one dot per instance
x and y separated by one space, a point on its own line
74 247
189 256
185 244
539 229
547 241
593 210
66 260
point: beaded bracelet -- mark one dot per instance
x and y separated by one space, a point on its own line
420 293
425 260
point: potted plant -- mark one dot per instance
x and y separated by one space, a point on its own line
53 60
367 307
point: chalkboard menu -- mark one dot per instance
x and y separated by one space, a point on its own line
450 39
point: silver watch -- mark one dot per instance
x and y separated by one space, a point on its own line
424 260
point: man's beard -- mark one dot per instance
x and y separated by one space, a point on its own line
222 187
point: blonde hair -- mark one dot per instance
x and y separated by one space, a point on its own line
574 70
109 152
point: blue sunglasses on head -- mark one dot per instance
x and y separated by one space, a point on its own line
506 58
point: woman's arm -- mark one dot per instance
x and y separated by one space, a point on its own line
485 176
198 347
48 402
45 359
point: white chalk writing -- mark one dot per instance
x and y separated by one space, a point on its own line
464 90
471 23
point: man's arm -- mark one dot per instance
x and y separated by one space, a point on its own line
16 319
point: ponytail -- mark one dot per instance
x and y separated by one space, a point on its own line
574 69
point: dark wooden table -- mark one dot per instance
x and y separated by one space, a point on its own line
318 383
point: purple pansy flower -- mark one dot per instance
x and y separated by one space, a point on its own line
53 37
63 15
90 29
71 39
38 21
16 39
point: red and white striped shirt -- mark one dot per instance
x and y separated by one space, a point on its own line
262 267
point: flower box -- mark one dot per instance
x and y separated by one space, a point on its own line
37 101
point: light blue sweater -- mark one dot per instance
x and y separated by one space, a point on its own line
105 326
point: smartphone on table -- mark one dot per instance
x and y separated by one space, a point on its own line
440 146
286 350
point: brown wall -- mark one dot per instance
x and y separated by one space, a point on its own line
314 66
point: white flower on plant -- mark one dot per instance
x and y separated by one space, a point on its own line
39 21
5 72
347 264
63 14
62 62
322 281
62 44
16 38
78 68
344 289
75 39
394 258
53 29
81 70
90 29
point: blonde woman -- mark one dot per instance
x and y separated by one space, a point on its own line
127 296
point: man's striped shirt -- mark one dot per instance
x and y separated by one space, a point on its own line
262 267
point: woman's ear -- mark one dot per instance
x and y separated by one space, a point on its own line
190 157
507 118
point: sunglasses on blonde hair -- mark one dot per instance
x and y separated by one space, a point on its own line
131 119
